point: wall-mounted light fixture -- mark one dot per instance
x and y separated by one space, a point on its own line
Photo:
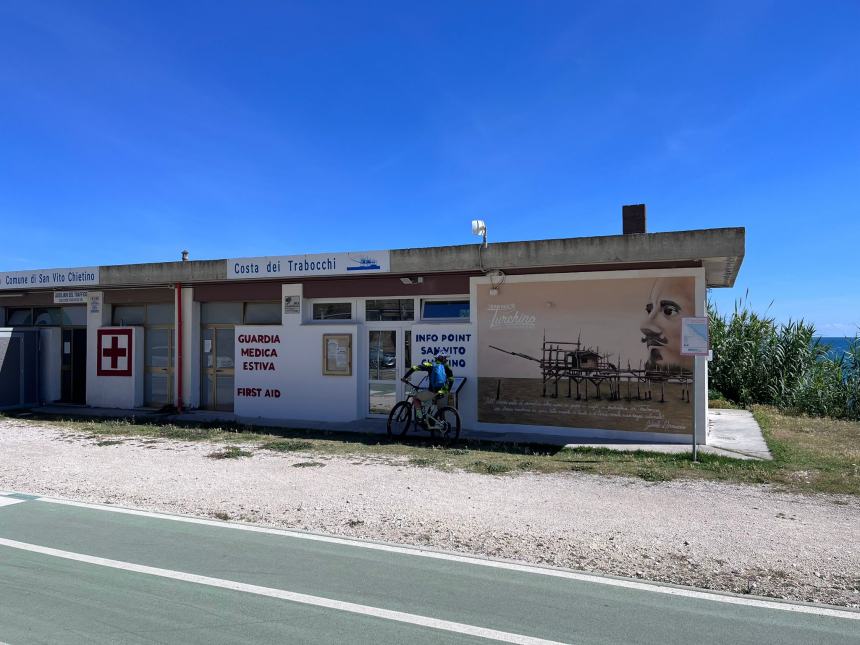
416 280
497 279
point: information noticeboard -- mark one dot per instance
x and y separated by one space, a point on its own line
292 304
694 336
337 355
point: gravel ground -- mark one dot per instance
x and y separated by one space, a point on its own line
734 538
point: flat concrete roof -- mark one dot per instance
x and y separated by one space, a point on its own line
719 250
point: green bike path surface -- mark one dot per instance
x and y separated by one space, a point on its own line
51 597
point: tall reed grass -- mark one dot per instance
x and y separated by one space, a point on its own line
757 360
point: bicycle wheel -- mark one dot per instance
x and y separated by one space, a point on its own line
448 427
400 418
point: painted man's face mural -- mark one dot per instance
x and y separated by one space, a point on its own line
669 301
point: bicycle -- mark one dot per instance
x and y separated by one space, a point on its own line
442 422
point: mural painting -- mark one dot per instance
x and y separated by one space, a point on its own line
599 354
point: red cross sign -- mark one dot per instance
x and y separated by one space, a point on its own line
115 352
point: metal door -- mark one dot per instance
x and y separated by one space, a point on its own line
10 371
158 366
218 370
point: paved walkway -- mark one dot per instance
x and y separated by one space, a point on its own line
737 433
85 573
731 433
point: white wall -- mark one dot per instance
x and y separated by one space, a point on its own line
305 394
429 338
124 392
261 392
50 378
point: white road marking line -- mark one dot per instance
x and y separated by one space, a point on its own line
496 564
291 596
8 501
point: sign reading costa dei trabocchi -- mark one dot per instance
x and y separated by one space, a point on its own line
319 264
41 278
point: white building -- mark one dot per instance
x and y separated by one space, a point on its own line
579 337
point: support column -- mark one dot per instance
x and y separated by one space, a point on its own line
190 367
700 384
98 315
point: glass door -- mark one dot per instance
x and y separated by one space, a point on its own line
217 375
158 366
388 358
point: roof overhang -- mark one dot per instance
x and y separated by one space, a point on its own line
719 250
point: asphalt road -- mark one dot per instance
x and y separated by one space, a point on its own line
74 573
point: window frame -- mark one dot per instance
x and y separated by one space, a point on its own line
308 313
277 306
463 319
365 302
146 321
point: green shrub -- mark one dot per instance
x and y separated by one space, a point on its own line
757 360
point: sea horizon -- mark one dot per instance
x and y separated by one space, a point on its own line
838 344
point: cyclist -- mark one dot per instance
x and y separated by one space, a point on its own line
440 381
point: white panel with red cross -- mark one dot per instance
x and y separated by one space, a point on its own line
115 352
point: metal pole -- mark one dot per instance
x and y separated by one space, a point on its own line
179 339
696 399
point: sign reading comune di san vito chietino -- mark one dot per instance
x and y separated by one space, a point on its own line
49 278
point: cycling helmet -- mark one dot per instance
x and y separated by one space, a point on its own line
442 356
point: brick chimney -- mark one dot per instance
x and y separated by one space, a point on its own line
633 217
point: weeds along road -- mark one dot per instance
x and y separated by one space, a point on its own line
80 573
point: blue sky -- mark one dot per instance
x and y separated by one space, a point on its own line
132 130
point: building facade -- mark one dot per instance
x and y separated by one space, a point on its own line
587 337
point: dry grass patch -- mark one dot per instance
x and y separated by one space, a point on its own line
810 454
230 452
288 445
814 454
723 404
